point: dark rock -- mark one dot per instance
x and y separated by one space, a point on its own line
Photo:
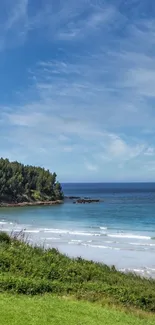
72 197
83 201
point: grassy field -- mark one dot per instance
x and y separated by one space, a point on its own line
33 271
47 309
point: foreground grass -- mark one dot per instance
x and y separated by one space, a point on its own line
32 270
47 309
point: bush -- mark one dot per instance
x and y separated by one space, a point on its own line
4 238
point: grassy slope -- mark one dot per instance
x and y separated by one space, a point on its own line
32 270
45 310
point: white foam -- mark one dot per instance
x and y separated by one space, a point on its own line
110 242
6 229
6 223
35 231
101 246
128 236
132 270
55 231
18 230
69 232
73 243
50 238
81 233
142 244
103 228
150 269
95 246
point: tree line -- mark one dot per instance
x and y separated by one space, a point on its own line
19 183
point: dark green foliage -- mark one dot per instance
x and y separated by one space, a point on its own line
19 183
32 270
4 237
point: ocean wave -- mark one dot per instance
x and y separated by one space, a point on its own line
111 242
70 232
143 271
126 270
50 238
82 233
3 222
101 246
142 244
35 231
6 229
78 242
150 269
55 231
50 230
129 236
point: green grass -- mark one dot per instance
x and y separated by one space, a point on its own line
32 270
47 309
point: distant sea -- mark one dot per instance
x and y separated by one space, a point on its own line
119 231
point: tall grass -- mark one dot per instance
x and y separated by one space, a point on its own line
34 270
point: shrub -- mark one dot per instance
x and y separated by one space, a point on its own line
4 238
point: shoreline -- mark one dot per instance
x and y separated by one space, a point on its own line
74 199
25 204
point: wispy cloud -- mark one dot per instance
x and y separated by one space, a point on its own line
98 17
17 14
13 25
66 21
117 149
91 167
150 152
88 97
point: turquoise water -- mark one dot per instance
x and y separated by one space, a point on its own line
120 230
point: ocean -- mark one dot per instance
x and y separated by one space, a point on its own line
118 231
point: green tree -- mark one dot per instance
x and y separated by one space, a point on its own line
58 191
18 181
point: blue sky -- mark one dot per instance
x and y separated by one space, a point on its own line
77 87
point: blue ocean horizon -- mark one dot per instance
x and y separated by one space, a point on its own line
120 230
105 186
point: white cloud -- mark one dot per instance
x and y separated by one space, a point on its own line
119 149
68 149
116 151
150 151
45 129
91 167
150 166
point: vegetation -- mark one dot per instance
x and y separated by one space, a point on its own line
47 309
19 183
33 270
